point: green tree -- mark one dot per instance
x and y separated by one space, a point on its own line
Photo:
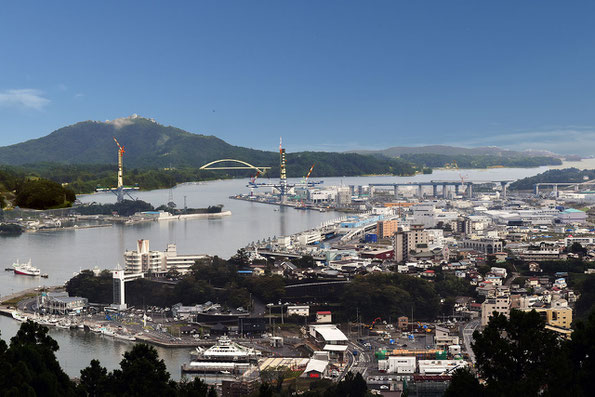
29 366
143 374
581 355
464 383
577 248
195 388
94 380
516 355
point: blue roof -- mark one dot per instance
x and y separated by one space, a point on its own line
572 210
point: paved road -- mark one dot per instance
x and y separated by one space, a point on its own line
359 362
468 330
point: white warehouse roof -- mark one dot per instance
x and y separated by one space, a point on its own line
316 365
330 333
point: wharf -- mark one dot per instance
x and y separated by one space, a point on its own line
255 199
165 343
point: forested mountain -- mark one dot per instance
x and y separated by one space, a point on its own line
151 145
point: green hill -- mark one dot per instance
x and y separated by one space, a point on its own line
566 175
150 145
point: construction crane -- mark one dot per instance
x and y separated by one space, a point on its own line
252 183
121 152
374 322
460 174
309 172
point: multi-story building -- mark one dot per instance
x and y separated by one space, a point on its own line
414 239
485 245
542 255
343 197
386 229
500 305
560 317
143 260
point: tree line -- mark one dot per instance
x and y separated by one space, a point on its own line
518 356
214 279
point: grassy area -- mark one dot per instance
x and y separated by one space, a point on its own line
14 301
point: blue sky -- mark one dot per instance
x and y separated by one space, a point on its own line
326 75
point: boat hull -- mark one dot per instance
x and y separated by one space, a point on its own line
24 273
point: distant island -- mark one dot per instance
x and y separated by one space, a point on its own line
567 175
438 156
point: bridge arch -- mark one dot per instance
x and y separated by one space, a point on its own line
244 166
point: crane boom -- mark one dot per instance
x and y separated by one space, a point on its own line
309 172
120 147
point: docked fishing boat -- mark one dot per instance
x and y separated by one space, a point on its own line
18 316
26 269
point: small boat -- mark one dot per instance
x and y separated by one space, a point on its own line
25 269
18 316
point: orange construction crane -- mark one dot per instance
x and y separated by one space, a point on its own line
374 322
309 172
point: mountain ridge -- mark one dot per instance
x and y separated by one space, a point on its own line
396 151
149 144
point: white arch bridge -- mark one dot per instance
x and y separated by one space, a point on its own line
243 166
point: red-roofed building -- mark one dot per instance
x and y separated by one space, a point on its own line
324 317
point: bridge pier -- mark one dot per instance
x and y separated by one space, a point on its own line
420 191
470 190
445 191
396 191
435 190
457 189
537 189
555 191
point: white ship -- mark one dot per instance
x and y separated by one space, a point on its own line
227 350
225 357
25 269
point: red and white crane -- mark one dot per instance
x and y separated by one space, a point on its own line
121 152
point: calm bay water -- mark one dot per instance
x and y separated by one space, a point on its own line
62 253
